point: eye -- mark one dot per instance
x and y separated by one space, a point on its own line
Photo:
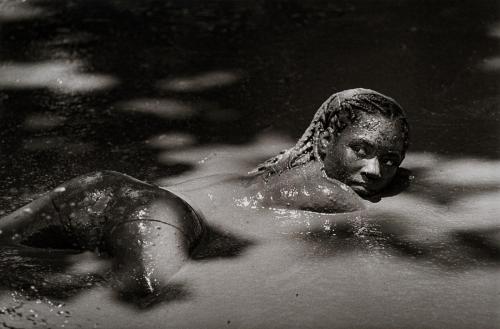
359 150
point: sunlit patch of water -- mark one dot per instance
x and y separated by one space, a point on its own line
458 172
40 121
201 81
494 30
161 107
490 64
171 140
215 159
67 37
58 76
19 10
447 193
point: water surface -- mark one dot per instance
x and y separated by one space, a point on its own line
167 91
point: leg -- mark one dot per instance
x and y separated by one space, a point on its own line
153 242
146 255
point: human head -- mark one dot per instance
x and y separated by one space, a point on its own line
341 112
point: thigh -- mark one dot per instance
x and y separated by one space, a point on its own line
146 254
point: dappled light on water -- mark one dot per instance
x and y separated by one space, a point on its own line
16 10
43 121
200 82
456 171
217 159
171 140
492 63
445 193
58 76
172 91
163 108
494 30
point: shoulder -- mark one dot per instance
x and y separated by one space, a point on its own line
305 187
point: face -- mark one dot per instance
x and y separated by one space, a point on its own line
366 154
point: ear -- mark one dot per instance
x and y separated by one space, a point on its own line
325 138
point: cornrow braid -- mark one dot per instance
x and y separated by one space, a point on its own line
334 115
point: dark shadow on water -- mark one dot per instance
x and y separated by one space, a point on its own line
455 251
45 273
220 244
399 183
171 292
483 243
443 193
42 274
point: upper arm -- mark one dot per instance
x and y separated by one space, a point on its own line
297 189
333 197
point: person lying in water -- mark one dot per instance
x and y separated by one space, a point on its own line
350 152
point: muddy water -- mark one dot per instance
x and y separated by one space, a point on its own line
168 91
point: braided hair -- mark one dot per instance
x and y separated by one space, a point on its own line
334 115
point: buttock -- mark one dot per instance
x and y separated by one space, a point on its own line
89 208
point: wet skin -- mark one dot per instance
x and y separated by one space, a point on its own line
306 188
150 231
366 154
146 230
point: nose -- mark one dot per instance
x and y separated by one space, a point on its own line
371 169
